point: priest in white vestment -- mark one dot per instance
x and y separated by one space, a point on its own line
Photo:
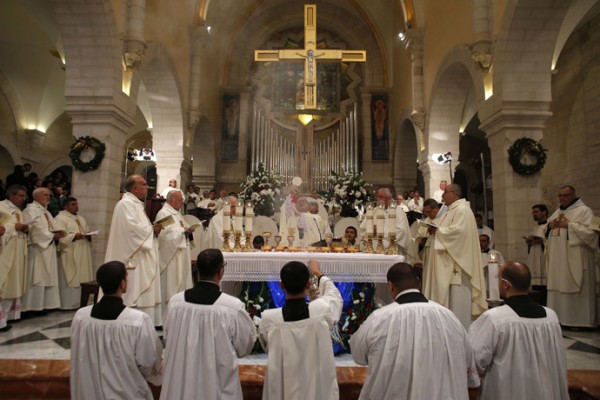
571 246
519 347
456 260
297 337
437 195
535 245
114 349
13 255
214 232
415 348
402 229
42 292
206 331
174 249
75 262
485 230
308 228
131 241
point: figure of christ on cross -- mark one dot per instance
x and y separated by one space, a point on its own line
309 55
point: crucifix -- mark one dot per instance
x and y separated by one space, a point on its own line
310 54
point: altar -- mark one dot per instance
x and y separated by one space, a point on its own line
340 267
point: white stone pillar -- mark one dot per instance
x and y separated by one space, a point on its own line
98 191
481 48
513 194
433 173
415 44
199 38
134 46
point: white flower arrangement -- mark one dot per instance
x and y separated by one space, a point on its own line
349 191
263 187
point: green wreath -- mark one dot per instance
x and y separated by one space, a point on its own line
84 143
528 146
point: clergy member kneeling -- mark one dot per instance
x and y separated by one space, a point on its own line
415 348
206 332
114 348
298 340
519 346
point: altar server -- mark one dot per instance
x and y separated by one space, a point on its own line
206 331
519 347
114 349
131 241
297 337
75 248
415 348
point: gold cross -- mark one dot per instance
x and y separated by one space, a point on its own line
310 53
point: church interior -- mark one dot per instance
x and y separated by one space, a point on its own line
416 91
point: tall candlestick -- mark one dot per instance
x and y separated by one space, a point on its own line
493 277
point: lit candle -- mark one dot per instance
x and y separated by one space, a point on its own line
493 276
249 216
370 223
239 219
391 221
226 220
380 219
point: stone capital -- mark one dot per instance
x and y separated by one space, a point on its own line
200 37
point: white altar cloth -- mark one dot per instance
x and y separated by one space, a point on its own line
340 267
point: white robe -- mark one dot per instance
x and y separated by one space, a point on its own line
131 237
174 255
522 358
486 230
112 359
301 363
414 351
315 229
42 281
75 259
535 257
402 230
13 264
416 205
571 268
203 344
456 263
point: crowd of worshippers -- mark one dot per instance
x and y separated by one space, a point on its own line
414 348
447 251
58 184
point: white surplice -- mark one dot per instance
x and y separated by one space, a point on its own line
535 256
13 264
315 228
402 230
203 344
174 255
455 263
131 237
486 230
522 358
571 268
301 363
414 351
42 281
75 261
112 359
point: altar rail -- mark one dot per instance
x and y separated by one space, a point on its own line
340 267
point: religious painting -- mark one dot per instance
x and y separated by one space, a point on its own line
380 142
230 127
288 86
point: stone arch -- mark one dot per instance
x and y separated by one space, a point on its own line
63 161
164 96
405 155
203 149
458 82
529 31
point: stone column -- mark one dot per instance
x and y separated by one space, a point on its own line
415 44
98 191
481 48
199 38
433 173
134 46
513 194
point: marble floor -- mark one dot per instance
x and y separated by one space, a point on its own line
47 337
